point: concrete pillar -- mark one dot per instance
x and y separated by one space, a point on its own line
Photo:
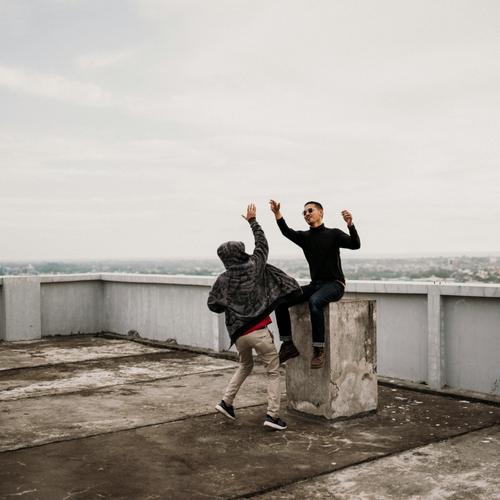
436 377
20 316
347 385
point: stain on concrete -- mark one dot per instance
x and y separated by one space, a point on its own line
355 391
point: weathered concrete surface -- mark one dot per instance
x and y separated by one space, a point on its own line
66 350
37 421
108 372
95 396
466 467
347 384
162 438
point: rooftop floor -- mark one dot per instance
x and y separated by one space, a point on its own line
87 417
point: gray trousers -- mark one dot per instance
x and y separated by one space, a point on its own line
263 343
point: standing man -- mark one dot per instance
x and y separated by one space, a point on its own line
247 292
321 247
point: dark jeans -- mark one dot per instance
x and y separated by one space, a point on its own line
318 294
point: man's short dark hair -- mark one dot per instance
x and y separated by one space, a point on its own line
317 204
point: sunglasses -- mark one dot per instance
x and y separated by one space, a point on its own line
308 211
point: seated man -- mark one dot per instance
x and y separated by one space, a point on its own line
247 292
321 247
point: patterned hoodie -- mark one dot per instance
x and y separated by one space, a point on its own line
250 289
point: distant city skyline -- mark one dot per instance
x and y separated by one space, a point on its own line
136 129
344 257
443 269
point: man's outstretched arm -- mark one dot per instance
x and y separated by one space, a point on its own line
261 250
291 234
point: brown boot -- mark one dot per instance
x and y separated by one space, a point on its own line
318 359
288 351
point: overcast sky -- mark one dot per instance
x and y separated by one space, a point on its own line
143 128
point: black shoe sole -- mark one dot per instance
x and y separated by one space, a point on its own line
290 356
316 367
224 412
274 426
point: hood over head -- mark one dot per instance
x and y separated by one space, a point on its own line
232 253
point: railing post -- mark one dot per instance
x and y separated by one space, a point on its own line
20 311
436 344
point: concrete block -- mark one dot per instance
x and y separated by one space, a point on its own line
347 385
20 308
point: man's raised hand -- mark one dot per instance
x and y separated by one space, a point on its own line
347 217
251 212
275 208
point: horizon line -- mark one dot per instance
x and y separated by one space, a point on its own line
348 256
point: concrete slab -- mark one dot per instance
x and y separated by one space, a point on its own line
208 457
161 438
466 467
68 349
98 373
128 404
37 421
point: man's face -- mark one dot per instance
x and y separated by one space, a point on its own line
313 216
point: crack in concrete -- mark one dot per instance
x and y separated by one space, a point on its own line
20 494
76 493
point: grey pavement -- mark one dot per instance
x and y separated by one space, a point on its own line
88 417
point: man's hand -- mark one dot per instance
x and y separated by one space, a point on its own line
275 208
251 212
347 217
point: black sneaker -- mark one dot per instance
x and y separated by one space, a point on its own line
228 411
288 351
275 423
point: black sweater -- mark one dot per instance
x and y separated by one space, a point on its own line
321 247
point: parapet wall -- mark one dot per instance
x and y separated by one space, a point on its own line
438 334
155 307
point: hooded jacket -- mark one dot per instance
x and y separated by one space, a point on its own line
250 289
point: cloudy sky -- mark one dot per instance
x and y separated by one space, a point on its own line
143 128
